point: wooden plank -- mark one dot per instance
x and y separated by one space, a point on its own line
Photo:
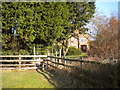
52 66
9 60
16 64
34 56
7 68
21 60
65 59
23 55
31 60
73 67
76 60
17 68
96 62
29 68
56 62
9 55
9 64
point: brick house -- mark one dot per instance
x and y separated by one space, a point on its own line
83 42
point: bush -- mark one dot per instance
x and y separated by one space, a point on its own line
11 52
74 51
7 52
23 52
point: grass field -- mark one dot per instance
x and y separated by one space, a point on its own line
24 79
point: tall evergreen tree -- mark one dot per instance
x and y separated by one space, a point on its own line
28 23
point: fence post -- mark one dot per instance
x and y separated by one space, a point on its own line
48 52
43 68
60 53
34 61
34 56
56 53
51 60
39 60
60 60
54 59
47 64
81 73
19 62
81 63
65 62
57 62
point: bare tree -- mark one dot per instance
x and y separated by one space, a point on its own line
105 44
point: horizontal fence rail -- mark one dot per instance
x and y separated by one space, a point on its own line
80 60
23 56
18 60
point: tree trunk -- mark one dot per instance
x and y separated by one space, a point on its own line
64 47
78 42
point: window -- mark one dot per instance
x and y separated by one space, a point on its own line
83 40
72 39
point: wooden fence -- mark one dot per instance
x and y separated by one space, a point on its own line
90 73
20 62
65 62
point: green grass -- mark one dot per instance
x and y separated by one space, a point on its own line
24 79
82 55
0 80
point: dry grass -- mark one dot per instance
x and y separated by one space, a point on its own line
90 76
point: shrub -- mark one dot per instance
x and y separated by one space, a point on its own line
7 52
23 52
74 51
11 52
